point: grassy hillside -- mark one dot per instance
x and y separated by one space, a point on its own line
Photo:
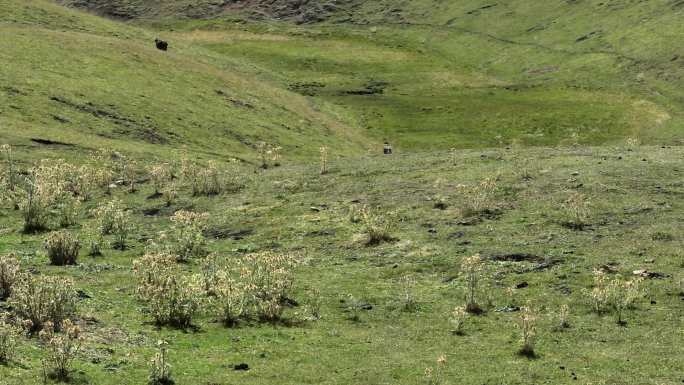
462 74
421 74
89 82
565 119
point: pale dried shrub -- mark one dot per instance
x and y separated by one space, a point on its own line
104 215
118 166
69 208
9 334
87 182
10 172
42 189
187 233
9 274
458 319
169 193
472 268
354 306
632 143
103 179
232 298
51 188
171 298
210 179
268 153
211 267
113 218
256 287
437 375
268 276
39 299
160 174
479 199
61 349
276 155
623 295
438 197
62 248
95 241
454 155
576 211
407 297
527 322
160 372
324 159
313 305
264 151
123 226
378 227
564 317
599 296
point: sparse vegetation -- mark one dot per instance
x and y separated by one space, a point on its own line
122 226
62 248
464 101
9 274
161 175
576 210
408 297
478 200
527 322
458 319
615 295
43 301
564 317
324 159
472 268
377 226
106 214
42 191
210 179
95 240
268 277
623 295
9 174
160 374
170 297
437 375
187 235
9 335
61 349
599 295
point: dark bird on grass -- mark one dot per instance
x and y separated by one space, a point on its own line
161 44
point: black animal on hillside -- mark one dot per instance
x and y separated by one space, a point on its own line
161 44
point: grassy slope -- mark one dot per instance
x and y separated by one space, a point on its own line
635 201
83 80
459 76
636 204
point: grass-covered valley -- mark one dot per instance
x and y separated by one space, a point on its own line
221 212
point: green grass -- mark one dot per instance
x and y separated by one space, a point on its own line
515 100
632 200
511 73
458 76
97 83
